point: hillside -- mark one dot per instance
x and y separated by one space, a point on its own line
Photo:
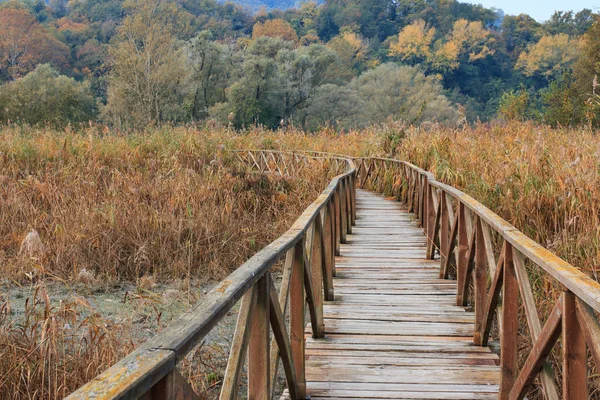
445 61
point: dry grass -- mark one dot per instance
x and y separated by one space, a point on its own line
92 208
173 204
544 181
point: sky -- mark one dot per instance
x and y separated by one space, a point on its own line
538 9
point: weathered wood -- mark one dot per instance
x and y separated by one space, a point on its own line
493 297
591 329
574 352
283 306
480 283
259 359
283 343
541 348
533 321
239 345
510 322
297 314
173 386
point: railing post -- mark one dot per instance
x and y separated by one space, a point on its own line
463 252
316 269
337 231
259 360
328 253
353 193
297 316
429 221
479 282
510 323
574 357
444 232
343 213
348 198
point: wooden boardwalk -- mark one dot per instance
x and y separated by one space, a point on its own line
394 330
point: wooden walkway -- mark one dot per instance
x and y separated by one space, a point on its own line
394 330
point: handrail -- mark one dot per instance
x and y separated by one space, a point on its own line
309 248
462 231
474 244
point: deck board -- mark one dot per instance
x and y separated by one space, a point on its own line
393 330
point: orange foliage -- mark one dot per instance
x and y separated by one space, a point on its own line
276 28
24 43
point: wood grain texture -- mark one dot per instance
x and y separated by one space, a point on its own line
394 330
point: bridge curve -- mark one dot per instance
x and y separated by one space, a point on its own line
393 313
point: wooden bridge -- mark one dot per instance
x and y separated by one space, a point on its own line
404 295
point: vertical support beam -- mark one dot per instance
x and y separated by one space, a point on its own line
462 251
297 315
574 357
480 282
348 214
429 216
510 323
328 254
259 360
353 193
343 213
316 269
444 232
337 222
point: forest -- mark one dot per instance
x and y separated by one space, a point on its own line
342 64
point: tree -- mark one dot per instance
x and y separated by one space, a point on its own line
44 96
392 92
333 106
24 43
352 52
301 72
145 82
515 105
414 43
212 65
586 71
275 28
254 98
549 57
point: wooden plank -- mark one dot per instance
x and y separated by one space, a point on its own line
574 352
259 384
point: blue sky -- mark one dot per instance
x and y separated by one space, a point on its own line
540 10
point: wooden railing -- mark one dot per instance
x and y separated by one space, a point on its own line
308 248
488 257
491 260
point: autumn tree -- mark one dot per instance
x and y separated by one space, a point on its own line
353 55
467 42
24 43
145 82
414 43
275 28
550 56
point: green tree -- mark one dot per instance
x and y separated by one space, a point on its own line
393 92
333 106
211 65
44 96
145 81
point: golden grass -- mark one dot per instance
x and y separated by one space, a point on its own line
93 208
174 203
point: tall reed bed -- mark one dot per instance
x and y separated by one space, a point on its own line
93 207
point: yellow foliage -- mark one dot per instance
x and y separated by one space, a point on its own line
471 37
276 28
414 41
550 55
